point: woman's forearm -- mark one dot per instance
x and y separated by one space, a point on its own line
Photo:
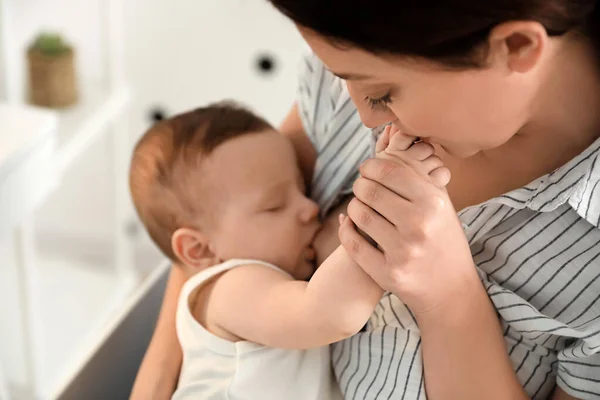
159 371
464 353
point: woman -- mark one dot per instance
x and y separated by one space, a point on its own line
507 92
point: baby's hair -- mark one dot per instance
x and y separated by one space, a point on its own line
159 175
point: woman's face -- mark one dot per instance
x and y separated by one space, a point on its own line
464 111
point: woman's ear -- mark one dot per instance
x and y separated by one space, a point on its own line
518 44
193 248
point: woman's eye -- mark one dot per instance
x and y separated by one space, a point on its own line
381 102
273 209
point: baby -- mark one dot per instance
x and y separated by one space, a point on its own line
220 193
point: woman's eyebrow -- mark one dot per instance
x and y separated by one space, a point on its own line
350 76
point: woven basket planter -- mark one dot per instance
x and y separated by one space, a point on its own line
52 79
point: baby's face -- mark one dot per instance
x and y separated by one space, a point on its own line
262 211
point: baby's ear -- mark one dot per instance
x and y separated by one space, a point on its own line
193 248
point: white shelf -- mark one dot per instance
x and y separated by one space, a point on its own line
21 128
62 303
27 142
82 124
82 295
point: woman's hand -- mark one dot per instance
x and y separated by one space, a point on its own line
423 255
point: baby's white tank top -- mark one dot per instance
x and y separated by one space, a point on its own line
217 369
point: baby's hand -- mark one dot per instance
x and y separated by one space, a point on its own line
393 145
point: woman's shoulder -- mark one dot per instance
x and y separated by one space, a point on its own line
317 82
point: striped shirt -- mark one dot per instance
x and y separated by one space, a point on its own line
537 251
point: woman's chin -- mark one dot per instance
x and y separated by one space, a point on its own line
458 151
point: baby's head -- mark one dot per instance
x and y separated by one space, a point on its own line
218 183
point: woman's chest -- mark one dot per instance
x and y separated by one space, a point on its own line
549 259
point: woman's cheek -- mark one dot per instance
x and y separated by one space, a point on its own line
429 119
413 120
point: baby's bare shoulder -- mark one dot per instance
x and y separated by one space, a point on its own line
248 276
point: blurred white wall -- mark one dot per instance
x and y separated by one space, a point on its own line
179 55
186 53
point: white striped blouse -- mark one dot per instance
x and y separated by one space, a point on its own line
537 250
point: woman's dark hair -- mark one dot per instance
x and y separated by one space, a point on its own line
446 31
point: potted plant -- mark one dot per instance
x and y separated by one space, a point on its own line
52 81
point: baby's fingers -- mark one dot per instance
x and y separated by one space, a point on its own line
399 141
420 151
384 140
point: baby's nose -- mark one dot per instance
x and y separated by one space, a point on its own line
309 211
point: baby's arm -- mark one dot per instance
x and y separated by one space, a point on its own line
265 306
